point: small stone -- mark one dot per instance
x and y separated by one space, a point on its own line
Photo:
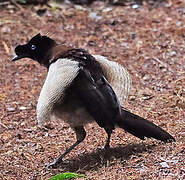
124 44
5 29
147 97
135 6
10 127
146 77
173 53
92 43
107 9
94 16
10 109
164 165
22 108
179 23
132 98
155 29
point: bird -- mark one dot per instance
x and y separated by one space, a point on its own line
81 88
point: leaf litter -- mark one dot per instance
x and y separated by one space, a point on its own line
148 41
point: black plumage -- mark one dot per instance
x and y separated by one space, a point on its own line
88 90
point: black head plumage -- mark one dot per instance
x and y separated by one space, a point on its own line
37 49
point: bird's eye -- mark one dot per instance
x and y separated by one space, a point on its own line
33 47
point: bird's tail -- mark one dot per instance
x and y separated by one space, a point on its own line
142 128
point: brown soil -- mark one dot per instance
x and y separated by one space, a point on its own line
149 41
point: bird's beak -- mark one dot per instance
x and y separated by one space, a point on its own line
17 57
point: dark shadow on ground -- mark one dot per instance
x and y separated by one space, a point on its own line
101 157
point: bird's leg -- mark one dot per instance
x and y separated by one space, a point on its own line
109 132
80 136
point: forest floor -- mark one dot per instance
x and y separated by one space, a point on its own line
148 40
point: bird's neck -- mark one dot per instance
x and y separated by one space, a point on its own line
57 52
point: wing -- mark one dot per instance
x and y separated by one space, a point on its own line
116 75
59 77
98 98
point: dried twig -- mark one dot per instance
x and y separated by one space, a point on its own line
6 47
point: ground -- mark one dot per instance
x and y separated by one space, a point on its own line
149 41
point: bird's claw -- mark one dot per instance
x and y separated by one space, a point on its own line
54 164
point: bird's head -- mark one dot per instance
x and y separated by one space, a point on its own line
37 48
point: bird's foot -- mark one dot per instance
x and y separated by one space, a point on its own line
54 164
51 165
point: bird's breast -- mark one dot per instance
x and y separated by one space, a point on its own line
72 112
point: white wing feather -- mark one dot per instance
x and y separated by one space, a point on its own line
117 76
60 75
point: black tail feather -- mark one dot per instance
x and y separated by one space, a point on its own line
142 128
